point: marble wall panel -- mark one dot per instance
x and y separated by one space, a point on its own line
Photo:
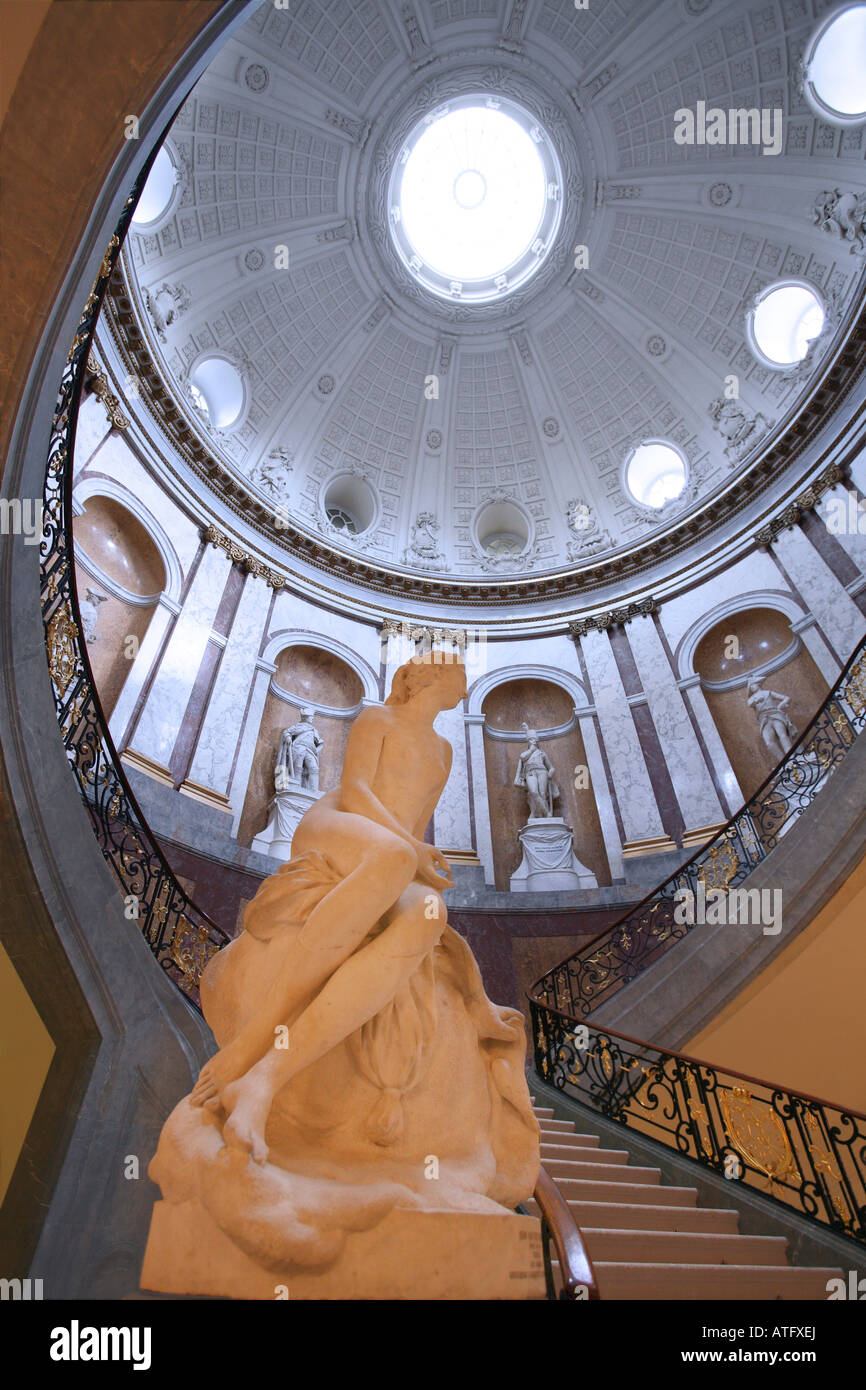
755 573
160 720
691 779
215 749
116 621
632 786
451 823
91 429
840 503
836 613
162 616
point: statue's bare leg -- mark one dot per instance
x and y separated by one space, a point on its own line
376 866
357 990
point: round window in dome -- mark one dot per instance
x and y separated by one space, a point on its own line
502 530
158 190
655 473
217 388
835 67
475 199
784 322
350 504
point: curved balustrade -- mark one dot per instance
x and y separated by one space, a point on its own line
594 974
559 1225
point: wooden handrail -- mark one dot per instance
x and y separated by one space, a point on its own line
574 1262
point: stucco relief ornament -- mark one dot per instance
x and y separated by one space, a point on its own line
165 303
842 215
740 430
271 474
588 536
423 550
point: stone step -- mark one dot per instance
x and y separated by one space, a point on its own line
545 1112
553 1129
695 1281
573 1151
649 1194
683 1247
560 1168
625 1216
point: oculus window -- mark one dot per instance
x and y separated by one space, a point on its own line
655 473
835 67
784 322
217 388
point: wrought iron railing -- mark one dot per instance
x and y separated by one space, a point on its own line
793 1148
181 936
593 975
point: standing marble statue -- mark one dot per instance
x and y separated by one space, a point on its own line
771 708
367 1109
298 755
535 773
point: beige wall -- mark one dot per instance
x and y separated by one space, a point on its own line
802 1023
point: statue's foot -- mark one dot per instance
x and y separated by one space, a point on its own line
226 1066
248 1102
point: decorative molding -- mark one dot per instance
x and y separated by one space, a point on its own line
834 473
614 617
98 383
215 537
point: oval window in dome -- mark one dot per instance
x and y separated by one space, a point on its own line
217 388
784 323
655 473
158 190
835 66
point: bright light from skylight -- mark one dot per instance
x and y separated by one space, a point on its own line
655 474
475 199
785 322
157 191
837 68
217 387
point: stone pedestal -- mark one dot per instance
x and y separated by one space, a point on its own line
287 808
549 863
407 1255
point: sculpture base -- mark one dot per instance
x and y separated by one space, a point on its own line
549 864
287 808
407 1255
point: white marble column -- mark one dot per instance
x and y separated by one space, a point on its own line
159 723
697 797
252 724
835 611
478 774
451 817
601 792
691 689
140 668
640 813
90 431
212 761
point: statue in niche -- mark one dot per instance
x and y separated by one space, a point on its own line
392 1050
88 607
777 731
298 755
535 773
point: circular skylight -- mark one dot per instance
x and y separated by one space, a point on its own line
784 323
158 190
217 388
655 473
475 199
836 66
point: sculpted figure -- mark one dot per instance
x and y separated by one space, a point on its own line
355 1038
298 755
535 773
771 708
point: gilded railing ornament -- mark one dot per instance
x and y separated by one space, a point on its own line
60 640
758 1135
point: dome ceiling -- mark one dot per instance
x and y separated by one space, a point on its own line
429 433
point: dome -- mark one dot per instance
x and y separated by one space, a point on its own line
467 266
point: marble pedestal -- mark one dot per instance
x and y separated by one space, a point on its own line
407 1255
287 808
549 863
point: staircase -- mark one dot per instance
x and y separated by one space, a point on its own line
650 1241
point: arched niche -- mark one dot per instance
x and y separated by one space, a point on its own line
755 641
544 706
120 576
305 675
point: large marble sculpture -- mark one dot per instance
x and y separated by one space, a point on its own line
365 1128
296 786
776 728
549 863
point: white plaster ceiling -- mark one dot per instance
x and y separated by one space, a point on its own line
288 141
